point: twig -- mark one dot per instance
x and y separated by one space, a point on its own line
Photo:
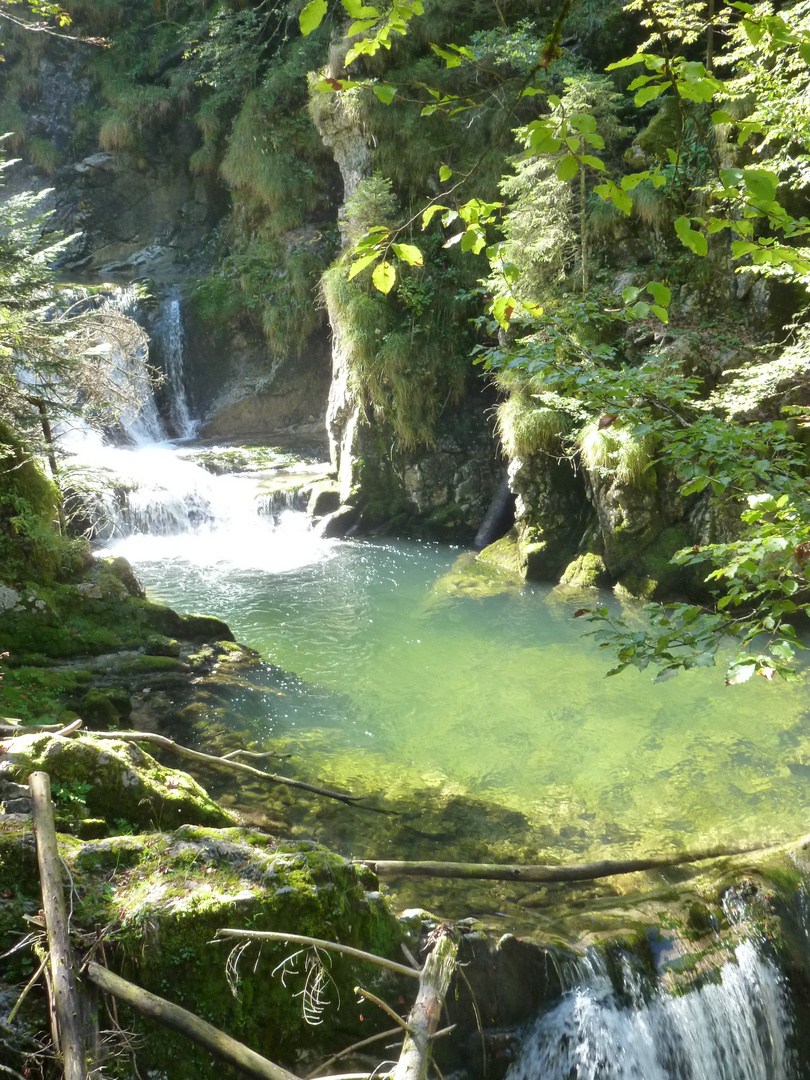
25 992
318 943
351 1049
379 1001
70 728
445 1031
254 754
410 957
11 1072
10 727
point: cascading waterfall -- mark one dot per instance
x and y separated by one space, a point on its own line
736 1029
149 496
170 328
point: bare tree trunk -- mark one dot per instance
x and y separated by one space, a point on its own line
65 990
423 1019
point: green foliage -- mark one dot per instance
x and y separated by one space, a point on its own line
402 356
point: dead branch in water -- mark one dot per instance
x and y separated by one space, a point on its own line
224 764
572 872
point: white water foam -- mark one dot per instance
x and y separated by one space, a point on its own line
737 1029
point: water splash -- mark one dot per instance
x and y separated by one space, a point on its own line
737 1029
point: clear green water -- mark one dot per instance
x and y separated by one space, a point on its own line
501 697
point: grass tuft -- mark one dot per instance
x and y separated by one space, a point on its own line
614 452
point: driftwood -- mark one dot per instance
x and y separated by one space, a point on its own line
199 1031
423 1019
318 943
63 980
572 872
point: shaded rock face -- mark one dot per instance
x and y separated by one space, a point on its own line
551 514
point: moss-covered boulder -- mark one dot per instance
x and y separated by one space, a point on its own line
586 571
171 892
472 577
116 780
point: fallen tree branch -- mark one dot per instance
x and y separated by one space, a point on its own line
350 1050
300 939
226 766
11 727
423 1019
572 872
386 1008
65 990
173 1016
254 754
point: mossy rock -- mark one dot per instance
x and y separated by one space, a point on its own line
124 781
653 575
504 552
324 498
171 892
97 707
587 571
473 579
159 645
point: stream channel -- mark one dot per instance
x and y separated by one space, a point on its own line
489 717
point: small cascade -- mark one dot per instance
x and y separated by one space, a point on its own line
170 329
739 1028
139 418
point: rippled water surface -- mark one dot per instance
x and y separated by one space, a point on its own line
405 687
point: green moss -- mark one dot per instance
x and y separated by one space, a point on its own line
585 572
504 552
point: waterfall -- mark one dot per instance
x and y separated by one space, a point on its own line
739 1028
170 330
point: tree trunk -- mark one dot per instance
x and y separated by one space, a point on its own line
423 1019
65 990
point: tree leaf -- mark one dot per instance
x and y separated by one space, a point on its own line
568 168
660 293
384 277
385 92
408 253
649 93
761 184
689 237
445 173
358 10
312 16
362 263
